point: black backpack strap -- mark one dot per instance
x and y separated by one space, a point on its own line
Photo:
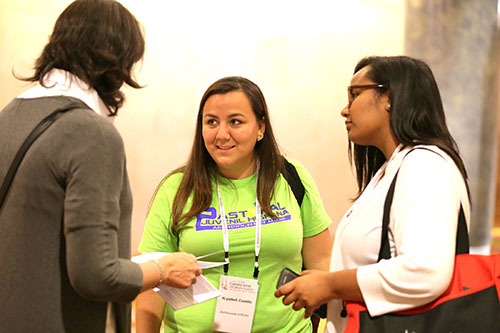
462 240
292 177
35 133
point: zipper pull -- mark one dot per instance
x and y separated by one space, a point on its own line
343 313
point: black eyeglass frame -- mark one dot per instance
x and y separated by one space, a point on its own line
364 87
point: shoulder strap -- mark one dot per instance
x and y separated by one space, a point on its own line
35 133
292 177
462 240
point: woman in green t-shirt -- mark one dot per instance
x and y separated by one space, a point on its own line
235 167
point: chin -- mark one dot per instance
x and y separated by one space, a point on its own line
356 139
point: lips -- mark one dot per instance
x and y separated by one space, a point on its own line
348 124
225 148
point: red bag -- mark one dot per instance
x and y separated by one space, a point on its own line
470 304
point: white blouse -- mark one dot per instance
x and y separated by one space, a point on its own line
422 234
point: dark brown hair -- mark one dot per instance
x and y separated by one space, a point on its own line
201 168
417 115
98 41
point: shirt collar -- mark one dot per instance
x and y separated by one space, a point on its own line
62 83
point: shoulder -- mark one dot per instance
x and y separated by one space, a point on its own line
79 125
174 178
89 124
301 169
170 184
294 161
304 174
432 169
422 159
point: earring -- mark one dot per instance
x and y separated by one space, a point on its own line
259 137
389 107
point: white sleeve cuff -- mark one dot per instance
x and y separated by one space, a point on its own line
369 283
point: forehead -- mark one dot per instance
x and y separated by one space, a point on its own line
361 77
233 101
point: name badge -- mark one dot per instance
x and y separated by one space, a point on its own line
236 307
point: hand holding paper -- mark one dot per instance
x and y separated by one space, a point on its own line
201 291
181 269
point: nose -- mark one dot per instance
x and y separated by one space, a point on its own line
345 111
223 132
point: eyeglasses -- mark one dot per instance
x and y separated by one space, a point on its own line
351 95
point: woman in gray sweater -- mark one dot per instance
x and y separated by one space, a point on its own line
65 222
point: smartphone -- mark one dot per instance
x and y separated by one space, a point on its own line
286 276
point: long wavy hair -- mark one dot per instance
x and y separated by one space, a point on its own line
416 118
98 41
200 168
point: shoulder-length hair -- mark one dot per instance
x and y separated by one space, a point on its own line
416 117
201 168
98 41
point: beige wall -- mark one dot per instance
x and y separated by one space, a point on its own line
301 54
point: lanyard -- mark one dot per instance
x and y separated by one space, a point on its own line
225 233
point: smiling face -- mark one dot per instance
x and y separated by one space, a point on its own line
230 131
367 114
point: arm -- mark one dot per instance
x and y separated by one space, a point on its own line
314 288
316 251
157 237
93 217
317 242
316 247
423 222
90 162
149 312
419 273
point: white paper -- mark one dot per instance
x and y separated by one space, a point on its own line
202 290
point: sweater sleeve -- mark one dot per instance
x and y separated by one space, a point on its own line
423 226
95 178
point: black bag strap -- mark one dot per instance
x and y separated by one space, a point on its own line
462 240
35 133
292 177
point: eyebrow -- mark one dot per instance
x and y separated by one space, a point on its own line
232 115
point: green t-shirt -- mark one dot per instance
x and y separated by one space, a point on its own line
281 245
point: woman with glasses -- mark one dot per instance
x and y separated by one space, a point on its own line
394 106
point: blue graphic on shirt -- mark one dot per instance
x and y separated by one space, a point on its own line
210 219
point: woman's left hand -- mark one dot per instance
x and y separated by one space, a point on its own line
310 290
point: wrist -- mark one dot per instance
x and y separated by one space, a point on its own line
160 269
333 285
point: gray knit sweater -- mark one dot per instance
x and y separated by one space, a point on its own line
65 224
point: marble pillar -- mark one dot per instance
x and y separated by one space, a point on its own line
459 39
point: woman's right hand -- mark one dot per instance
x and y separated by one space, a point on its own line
180 269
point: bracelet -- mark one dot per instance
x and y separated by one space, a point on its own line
161 270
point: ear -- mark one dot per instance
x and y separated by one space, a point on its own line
386 100
262 129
